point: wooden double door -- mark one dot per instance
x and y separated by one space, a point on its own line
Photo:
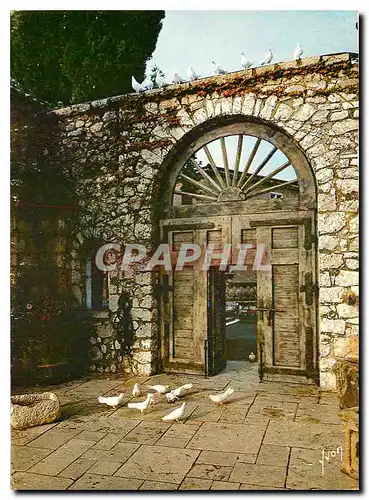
281 253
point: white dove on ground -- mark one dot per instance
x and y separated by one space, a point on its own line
176 414
162 389
175 394
220 398
252 357
181 390
171 397
143 404
160 81
191 74
267 58
136 86
136 390
245 63
298 52
217 69
113 401
177 78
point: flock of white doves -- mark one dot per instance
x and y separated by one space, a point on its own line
147 84
171 396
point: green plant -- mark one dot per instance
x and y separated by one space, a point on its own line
63 57
49 330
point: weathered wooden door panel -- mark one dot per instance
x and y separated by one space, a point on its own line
216 341
184 322
286 300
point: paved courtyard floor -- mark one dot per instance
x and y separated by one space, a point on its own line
270 436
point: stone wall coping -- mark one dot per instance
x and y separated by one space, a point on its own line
328 60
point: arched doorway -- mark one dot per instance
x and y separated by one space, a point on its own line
240 186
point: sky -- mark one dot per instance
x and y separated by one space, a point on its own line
198 37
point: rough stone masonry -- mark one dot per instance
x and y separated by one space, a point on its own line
117 146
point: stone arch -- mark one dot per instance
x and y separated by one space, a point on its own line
222 126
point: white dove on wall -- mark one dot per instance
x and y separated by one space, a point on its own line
136 390
220 398
147 84
143 404
252 357
160 81
177 78
162 389
298 52
113 401
191 74
137 87
176 414
217 69
245 63
267 58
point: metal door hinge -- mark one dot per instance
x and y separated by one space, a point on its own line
309 288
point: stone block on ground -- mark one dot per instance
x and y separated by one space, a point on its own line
30 410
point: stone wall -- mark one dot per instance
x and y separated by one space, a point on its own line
117 148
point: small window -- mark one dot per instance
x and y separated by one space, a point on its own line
275 196
97 287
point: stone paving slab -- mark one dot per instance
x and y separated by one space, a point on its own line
217 458
36 482
105 467
329 398
57 461
192 483
94 387
225 437
249 451
208 471
158 486
119 453
107 424
276 410
108 442
224 486
178 436
214 383
257 487
24 457
157 463
92 435
105 483
54 438
21 437
247 458
318 413
270 454
147 432
263 475
77 468
172 442
304 435
270 398
286 389
305 472
209 413
234 414
260 420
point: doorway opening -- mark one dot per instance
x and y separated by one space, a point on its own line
241 316
240 184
